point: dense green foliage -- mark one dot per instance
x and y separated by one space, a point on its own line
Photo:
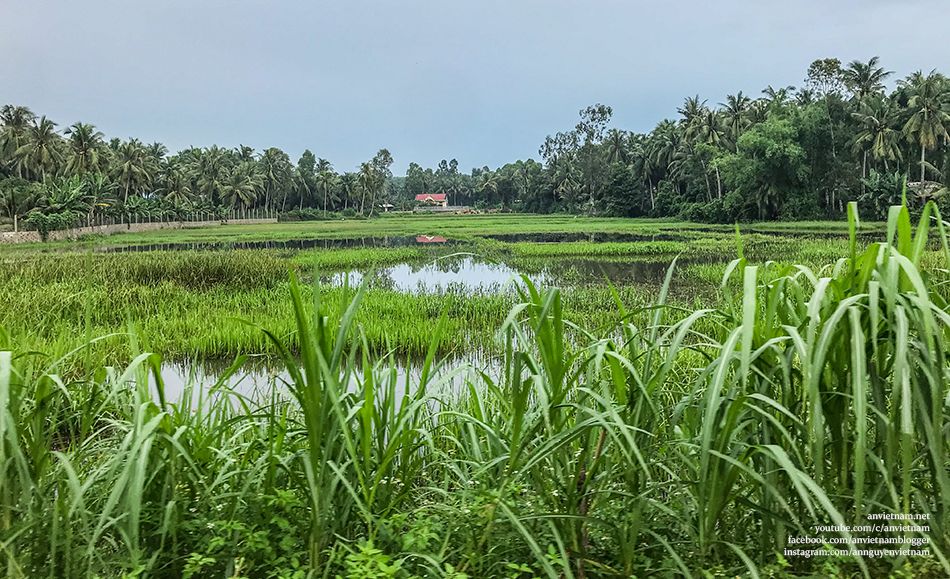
684 443
790 155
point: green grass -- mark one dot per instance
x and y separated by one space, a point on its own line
673 443
197 304
464 227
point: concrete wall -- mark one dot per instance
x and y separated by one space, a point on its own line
34 236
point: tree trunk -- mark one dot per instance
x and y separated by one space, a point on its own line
923 159
718 182
864 171
706 176
831 127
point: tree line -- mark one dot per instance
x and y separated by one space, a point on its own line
791 153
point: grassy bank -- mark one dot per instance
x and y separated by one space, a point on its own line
463 227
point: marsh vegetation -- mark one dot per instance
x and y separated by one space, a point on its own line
682 422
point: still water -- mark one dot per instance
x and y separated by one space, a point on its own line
466 273
258 377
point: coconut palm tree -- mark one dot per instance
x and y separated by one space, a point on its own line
865 79
16 122
644 167
805 97
691 109
42 152
567 184
174 183
367 181
616 142
348 183
212 172
158 152
134 169
325 181
709 129
488 185
930 117
245 154
275 168
663 143
875 118
241 186
736 109
778 96
86 147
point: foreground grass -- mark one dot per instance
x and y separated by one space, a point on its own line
681 444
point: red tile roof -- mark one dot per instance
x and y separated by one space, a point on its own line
431 197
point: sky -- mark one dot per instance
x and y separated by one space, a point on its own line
481 81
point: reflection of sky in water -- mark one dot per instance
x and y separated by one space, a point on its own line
254 380
469 274
466 274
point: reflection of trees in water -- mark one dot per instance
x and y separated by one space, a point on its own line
575 271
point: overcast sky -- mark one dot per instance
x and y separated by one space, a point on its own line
480 81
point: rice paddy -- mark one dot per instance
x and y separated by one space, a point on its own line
688 420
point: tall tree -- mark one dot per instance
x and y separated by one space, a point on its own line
736 109
864 79
692 109
367 182
617 146
42 152
275 168
16 123
133 169
875 117
929 118
86 146
212 171
174 184
326 179
382 173
241 186
590 131
305 176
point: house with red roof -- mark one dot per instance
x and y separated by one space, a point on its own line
440 199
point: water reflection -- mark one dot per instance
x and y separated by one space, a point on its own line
471 274
466 274
258 377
